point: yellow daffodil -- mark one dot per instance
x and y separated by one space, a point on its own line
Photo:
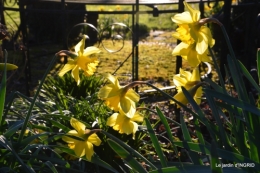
122 123
201 34
84 146
8 66
188 81
82 60
118 97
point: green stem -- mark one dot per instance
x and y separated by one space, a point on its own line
33 101
218 70
3 90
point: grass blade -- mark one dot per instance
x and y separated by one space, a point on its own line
156 144
186 135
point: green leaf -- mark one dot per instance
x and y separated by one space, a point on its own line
258 64
236 75
156 143
21 135
249 77
214 159
215 112
8 146
126 156
234 101
3 91
130 149
186 135
51 166
29 139
13 129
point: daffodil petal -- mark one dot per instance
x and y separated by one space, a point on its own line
91 50
185 74
89 150
135 128
179 81
193 58
195 14
204 57
195 75
207 34
183 18
81 45
181 49
67 67
111 121
79 148
113 103
125 105
137 117
127 128
68 139
180 97
112 79
197 96
105 91
75 74
79 126
202 44
94 139
132 95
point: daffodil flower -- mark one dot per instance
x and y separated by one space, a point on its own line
84 146
188 81
8 66
119 98
82 60
201 34
122 123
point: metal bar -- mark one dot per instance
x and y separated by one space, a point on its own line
179 58
25 50
100 12
136 40
133 42
118 2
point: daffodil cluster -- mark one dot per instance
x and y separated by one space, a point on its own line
195 37
195 40
121 99
80 60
